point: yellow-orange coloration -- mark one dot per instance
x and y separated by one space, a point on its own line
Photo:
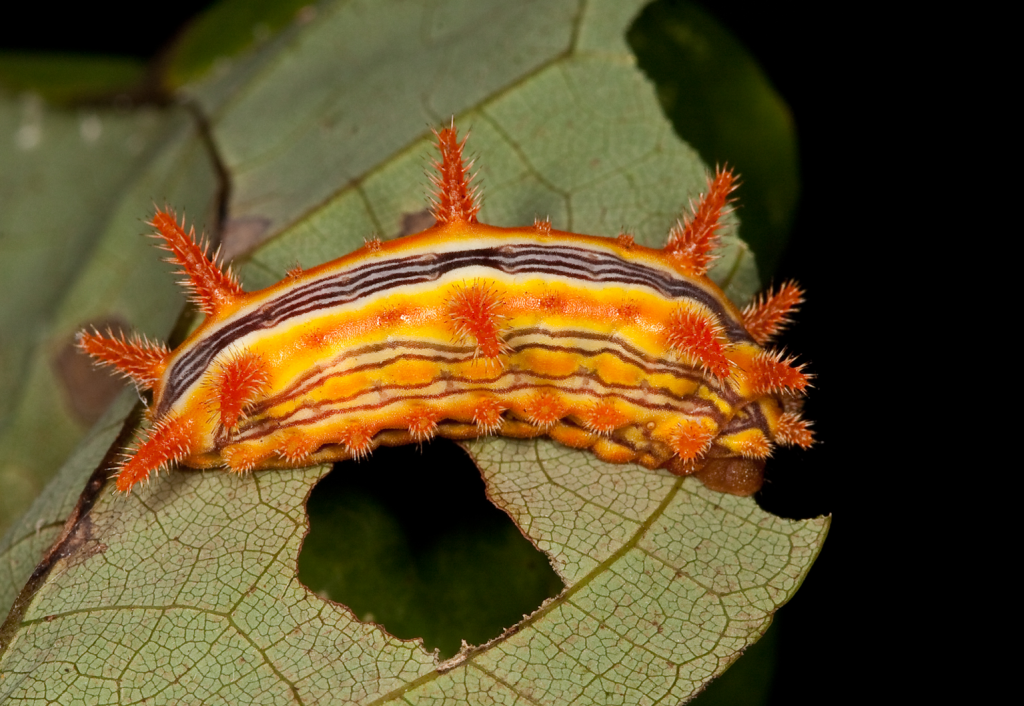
139 359
694 333
599 343
691 241
766 316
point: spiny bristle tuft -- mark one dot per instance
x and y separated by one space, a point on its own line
473 311
542 226
422 424
695 333
357 439
625 240
374 244
209 287
296 447
454 201
241 458
769 313
771 372
692 240
692 438
544 409
603 418
755 445
167 441
487 415
140 360
237 383
793 430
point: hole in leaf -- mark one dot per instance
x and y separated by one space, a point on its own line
409 540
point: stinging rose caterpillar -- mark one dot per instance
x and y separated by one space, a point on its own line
467 329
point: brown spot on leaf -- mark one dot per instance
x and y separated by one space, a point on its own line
88 390
242 235
415 222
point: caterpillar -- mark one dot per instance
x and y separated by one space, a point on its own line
467 329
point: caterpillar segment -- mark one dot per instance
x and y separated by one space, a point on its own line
468 329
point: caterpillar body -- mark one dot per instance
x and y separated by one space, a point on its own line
467 329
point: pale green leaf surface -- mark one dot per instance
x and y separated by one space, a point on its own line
187 592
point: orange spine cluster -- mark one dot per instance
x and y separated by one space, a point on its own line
168 441
473 312
692 240
695 334
454 201
237 383
210 286
139 359
769 314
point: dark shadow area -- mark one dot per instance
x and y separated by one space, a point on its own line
409 540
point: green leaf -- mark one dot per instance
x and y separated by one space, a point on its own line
75 187
187 591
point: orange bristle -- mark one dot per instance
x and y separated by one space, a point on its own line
374 244
422 424
454 201
237 383
241 458
697 335
169 440
210 287
691 241
357 438
542 226
793 430
544 409
626 241
139 359
487 415
691 439
769 314
603 417
755 446
297 446
474 314
769 372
